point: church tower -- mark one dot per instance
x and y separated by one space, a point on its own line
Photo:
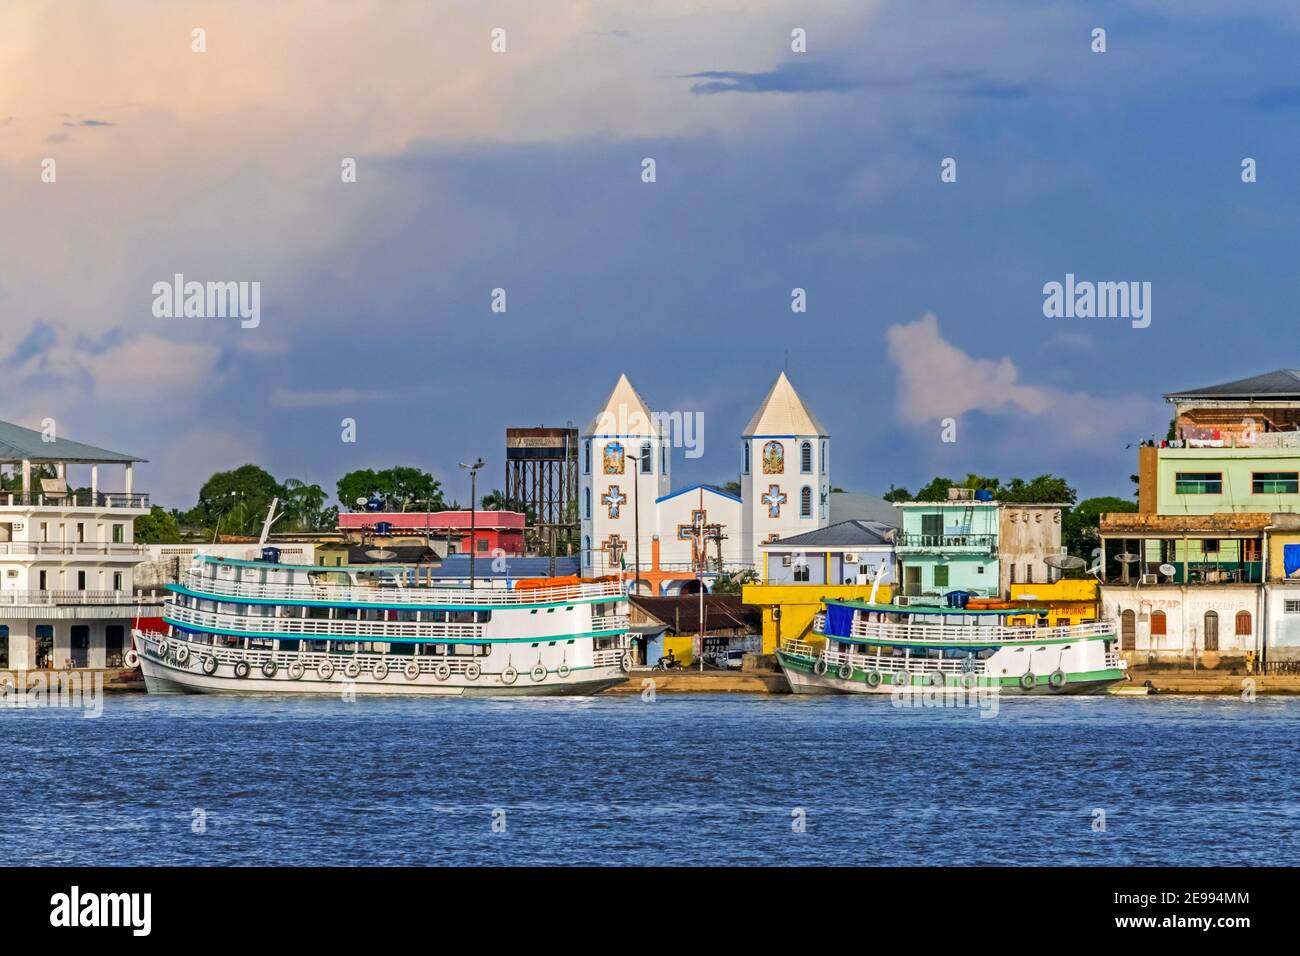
785 473
623 463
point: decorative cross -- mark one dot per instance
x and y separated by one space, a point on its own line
692 531
774 498
614 547
614 498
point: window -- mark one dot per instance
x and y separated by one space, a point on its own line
801 572
118 532
1275 483
823 458
1291 607
932 525
647 459
1243 624
805 503
81 533
586 502
1198 483
1159 624
941 575
481 544
805 458
1210 546
81 580
746 471
1211 630
117 580
1029 573
41 581
586 458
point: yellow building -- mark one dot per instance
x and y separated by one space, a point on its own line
789 609
1068 601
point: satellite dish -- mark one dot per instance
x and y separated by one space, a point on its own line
1127 558
1168 570
361 502
381 554
1064 562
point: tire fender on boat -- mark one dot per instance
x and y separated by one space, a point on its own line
1028 680
472 670
269 668
325 670
562 671
296 670
209 665
163 647
412 670
241 669
351 670
509 675
820 667
380 671
539 672
902 679
1057 680
625 661
131 658
845 672
182 653
936 679
442 671
873 678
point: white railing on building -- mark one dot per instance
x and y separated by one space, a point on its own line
53 548
399 595
77 597
75 499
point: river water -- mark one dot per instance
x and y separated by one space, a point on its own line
677 780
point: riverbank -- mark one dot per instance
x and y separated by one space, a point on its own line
704 682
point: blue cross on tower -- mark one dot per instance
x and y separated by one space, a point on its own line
774 498
614 498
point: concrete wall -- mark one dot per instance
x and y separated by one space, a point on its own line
1026 535
1185 609
1237 466
789 609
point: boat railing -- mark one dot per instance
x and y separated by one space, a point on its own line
888 631
607 657
256 657
895 663
319 628
503 597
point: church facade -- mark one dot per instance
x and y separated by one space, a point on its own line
628 509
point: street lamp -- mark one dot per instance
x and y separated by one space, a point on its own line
473 510
636 523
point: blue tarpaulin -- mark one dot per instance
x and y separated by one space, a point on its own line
839 620
1291 558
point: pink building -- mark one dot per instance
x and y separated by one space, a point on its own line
493 530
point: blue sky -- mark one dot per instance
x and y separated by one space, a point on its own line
521 170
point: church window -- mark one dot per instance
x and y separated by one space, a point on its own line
805 457
647 459
586 502
805 502
823 458
663 468
746 471
586 466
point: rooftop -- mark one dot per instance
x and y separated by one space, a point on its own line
19 444
721 612
845 534
1137 523
1282 384
782 412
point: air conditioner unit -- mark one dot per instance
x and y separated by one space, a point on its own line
851 559
1149 579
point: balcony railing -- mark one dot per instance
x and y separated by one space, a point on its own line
1196 572
43 548
14 598
948 542
74 499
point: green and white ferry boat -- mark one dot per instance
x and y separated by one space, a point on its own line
262 627
893 649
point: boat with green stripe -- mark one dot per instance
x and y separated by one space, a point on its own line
262 627
871 648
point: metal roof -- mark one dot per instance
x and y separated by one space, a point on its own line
26 444
1280 383
846 534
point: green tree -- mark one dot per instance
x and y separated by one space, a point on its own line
1081 524
402 488
235 502
897 494
731 488
304 507
157 527
732 582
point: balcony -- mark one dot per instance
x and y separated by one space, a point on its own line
60 598
1193 573
42 549
77 499
957 543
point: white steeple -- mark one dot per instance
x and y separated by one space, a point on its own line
785 476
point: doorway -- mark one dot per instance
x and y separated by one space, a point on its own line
79 645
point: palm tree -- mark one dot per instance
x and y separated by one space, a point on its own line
303 504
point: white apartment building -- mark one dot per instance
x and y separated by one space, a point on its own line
67 594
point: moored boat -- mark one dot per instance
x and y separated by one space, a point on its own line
263 627
892 649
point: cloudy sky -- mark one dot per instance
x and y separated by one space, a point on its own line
521 170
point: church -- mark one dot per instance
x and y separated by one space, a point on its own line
626 493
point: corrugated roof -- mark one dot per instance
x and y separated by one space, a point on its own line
722 612
846 534
26 444
782 412
1280 383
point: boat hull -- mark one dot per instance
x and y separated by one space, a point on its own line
165 675
803 679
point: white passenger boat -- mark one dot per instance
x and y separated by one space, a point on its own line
891 649
271 628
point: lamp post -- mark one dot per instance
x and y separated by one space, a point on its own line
473 511
636 523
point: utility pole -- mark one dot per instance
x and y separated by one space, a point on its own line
473 512
636 522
